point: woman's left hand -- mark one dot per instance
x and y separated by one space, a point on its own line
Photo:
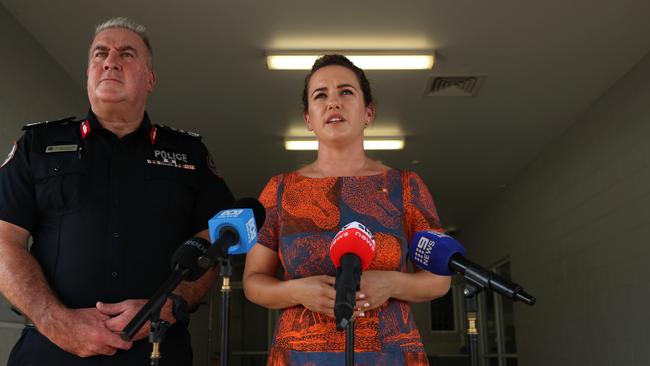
376 287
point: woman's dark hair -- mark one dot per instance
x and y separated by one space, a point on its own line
340 60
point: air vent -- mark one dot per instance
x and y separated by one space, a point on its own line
454 85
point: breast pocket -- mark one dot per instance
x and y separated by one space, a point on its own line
58 184
169 189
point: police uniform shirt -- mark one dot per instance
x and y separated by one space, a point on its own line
107 213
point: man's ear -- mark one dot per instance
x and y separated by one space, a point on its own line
151 80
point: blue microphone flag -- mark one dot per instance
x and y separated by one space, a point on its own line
432 251
242 220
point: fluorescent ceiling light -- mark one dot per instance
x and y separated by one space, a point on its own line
366 61
385 143
293 144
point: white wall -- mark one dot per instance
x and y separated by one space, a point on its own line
32 88
576 226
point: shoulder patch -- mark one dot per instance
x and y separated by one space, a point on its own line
11 154
212 166
55 122
180 131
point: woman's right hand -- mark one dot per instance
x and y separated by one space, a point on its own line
262 286
316 293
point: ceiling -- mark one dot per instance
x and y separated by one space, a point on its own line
546 62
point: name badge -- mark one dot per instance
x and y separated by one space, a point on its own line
61 148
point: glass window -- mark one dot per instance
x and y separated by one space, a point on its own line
442 313
497 324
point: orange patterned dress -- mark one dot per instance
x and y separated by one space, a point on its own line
302 217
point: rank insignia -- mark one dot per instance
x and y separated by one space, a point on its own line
85 129
153 135
171 163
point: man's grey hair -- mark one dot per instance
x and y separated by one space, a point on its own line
129 24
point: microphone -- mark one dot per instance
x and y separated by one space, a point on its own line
186 258
442 255
185 267
351 251
234 231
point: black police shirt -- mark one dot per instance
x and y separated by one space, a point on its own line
105 213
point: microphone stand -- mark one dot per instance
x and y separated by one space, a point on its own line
151 311
471 307
225 271
218 252
156 335
477 279
344 305
349 343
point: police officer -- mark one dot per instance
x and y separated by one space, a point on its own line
106 200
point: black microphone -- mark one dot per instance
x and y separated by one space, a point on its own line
186 257
442 255
185 267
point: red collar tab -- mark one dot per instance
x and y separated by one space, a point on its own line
153 134
85 129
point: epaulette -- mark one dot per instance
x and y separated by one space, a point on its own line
179 131
55 122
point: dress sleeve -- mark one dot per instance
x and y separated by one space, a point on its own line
269 233
420 210
17 196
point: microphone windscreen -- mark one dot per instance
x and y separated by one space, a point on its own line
432 251
356 239
187 256
242 220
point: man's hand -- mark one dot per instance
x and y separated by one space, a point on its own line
83 332
78 331
120 314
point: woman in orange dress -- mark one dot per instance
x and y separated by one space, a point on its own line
305 210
